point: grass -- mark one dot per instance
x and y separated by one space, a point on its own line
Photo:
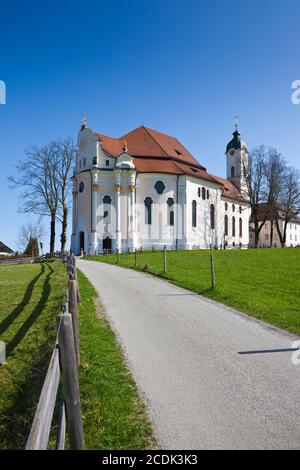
114 416
30 296
263 283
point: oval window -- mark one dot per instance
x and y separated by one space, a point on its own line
159 187
81 186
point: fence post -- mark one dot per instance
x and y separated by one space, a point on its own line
61 428
165 259
212 270
74 312
70 382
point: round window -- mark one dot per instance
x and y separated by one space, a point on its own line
81 186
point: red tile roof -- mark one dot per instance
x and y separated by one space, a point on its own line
230 191
155 152
146 142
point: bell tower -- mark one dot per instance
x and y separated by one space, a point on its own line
237 161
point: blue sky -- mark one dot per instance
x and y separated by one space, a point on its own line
183 67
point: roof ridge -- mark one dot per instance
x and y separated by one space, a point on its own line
149 133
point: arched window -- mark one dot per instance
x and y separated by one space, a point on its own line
194 214
207 194
84 161
170 203
107 162
199 191
106 208
240 209
212 216
241 227
233 208
148 210
226 206
81 186
232 171
233 226
226 224
203 193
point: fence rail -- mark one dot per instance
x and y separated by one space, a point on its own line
62 369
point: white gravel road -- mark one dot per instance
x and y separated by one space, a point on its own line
211 377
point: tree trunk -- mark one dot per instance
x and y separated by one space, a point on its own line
272 233
281 237
52 233
256 231
63 237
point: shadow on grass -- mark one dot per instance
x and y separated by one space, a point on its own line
16 420
20 307
46 290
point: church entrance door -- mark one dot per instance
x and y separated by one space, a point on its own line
106 244
81 241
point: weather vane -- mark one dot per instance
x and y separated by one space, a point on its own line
236 122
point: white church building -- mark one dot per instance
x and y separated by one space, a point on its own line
144 190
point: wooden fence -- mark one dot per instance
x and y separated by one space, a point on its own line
62 369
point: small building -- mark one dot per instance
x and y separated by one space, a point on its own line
5 250
266 239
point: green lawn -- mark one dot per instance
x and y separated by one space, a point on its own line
262 283
114 416
30 296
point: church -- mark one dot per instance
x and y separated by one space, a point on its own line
144 190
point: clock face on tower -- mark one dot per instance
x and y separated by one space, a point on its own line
231 152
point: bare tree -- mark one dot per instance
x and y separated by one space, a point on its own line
289 202
255 191
30 231
65 151
275 167
37 176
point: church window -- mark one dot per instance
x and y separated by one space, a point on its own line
240 209
84 162
106 211
233 226
207 194
232 171
199 191
80 163
233 208
148 212
81 186
203 193
226 224
107 163
194 214
95 161
170 203
212 216
159 187
241 227
226 206
107 200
